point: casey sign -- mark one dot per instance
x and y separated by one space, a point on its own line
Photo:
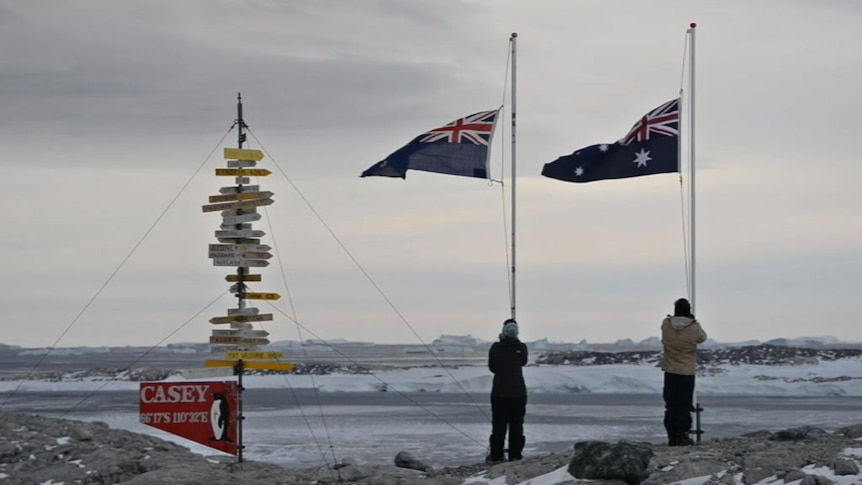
204 412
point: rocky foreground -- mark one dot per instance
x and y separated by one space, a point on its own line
41 450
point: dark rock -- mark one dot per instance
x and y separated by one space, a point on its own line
405 459
798 434
626 461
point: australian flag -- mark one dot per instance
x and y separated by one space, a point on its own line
650 147
459 148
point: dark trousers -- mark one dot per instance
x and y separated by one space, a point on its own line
678 394
507 412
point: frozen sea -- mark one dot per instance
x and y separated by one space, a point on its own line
443 414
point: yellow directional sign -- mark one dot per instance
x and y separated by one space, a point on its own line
253 355
262 296
243 172
240 196
282 366
233 278
263 317
243 154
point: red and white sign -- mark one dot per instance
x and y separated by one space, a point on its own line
202 411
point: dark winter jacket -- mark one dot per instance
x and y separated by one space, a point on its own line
506 360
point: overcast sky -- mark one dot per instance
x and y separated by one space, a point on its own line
110 108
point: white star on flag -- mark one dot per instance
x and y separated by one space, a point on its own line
641 158
579 171
603 148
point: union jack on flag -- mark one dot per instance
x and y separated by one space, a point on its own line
457 148
476 128
663 120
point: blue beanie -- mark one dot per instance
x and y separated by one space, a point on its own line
510 329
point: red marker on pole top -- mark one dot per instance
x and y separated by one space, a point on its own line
692 25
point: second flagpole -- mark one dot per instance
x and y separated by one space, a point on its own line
513 39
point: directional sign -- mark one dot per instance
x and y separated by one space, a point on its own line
262 296
238 254
243 311
246 277
239 233
253 355
240 333
241 163
229 227
239 340
243 204
253 247
241 263
206 373
242 180
252 364
236 190
263 317
241 218
242 172
243 154
241 196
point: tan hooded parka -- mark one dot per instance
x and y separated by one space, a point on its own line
680 336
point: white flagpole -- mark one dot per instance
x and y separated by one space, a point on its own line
513 40
691 162
697 408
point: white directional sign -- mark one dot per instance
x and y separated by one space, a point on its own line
244 225
241 263
240 233
244 204
253 247
242 180
235 190
240 219
241 163
243 311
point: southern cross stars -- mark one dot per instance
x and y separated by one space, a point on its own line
641 158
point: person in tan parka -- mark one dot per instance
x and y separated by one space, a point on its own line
680 334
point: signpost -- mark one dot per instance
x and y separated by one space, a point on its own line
240 248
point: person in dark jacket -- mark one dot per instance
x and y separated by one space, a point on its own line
680 334
506 359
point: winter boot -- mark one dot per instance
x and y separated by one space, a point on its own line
495 455
672 438
516 447
683 439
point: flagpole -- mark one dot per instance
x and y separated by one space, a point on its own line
697 408
513 39
691 162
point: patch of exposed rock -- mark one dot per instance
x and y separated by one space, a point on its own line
37 450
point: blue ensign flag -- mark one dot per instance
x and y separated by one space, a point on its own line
650 147
459 148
